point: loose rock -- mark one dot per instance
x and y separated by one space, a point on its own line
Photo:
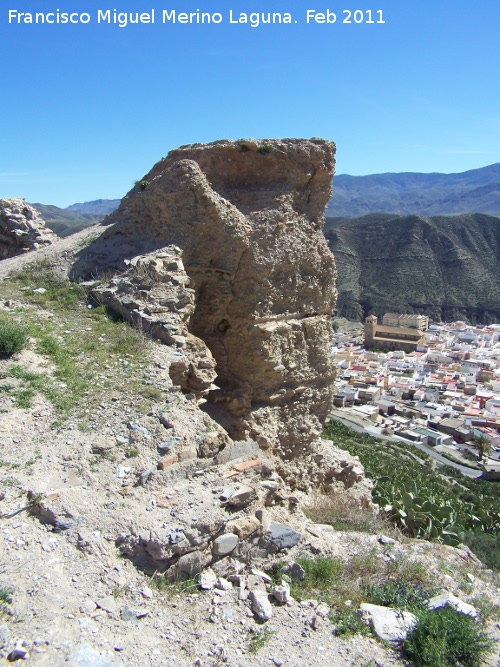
225 544
260 604
388 624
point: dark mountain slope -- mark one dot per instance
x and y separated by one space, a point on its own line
447 267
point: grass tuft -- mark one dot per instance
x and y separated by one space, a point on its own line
258 638
339 512
5 598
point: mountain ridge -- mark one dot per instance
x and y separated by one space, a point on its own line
99 207
475 190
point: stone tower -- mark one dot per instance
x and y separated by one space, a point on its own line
370 330
247 217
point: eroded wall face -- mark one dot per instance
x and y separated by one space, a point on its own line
248 218
22 228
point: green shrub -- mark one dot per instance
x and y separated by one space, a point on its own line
400 593
322 572
258 638
13 338
446 638
263 150
486 547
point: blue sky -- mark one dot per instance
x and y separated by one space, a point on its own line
88 109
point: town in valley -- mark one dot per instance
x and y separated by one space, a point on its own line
435 384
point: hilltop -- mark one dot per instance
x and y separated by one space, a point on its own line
168 493
89 414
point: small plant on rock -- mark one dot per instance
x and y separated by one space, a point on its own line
131 452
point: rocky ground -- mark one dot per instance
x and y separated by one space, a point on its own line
130 480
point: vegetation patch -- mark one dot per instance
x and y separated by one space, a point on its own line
447 638
13 337
258 638
423 501
348 622
338 511
90 349
344 584
45 285
172 587
400 594
441 638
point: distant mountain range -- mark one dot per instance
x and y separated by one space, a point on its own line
447 267
67 221
99 207
475 191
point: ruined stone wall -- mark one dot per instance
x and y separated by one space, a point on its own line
248 217
22 228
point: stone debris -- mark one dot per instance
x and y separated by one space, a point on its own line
108 603
241 497
261 605
262 575
246 465
282 537
226 494
295 571
167 461
388 624
208 579
323 610
447 599
223 584
244 528
225 544
22 229
282 593
18 653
